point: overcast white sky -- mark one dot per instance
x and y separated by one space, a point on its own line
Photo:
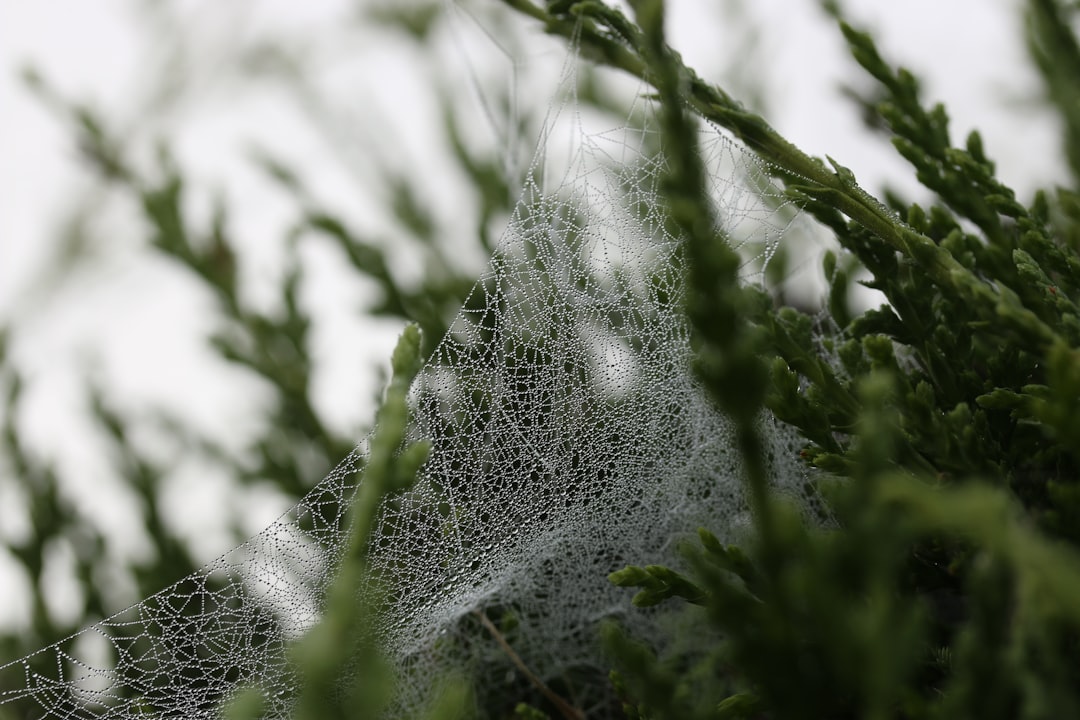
142 326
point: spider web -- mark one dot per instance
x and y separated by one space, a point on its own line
570 438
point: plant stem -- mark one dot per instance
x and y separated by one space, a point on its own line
568 711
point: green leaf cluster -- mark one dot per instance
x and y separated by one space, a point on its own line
945 579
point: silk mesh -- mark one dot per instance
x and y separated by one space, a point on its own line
570 438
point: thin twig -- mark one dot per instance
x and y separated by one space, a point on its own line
568 711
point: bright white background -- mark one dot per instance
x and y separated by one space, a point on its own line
138 324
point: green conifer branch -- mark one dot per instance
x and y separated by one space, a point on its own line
345 637
601 29
718 306
1056 53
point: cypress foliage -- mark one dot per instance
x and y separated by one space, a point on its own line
947 582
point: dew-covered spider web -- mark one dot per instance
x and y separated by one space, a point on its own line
570 439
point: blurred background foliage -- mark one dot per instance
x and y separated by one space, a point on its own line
411 264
